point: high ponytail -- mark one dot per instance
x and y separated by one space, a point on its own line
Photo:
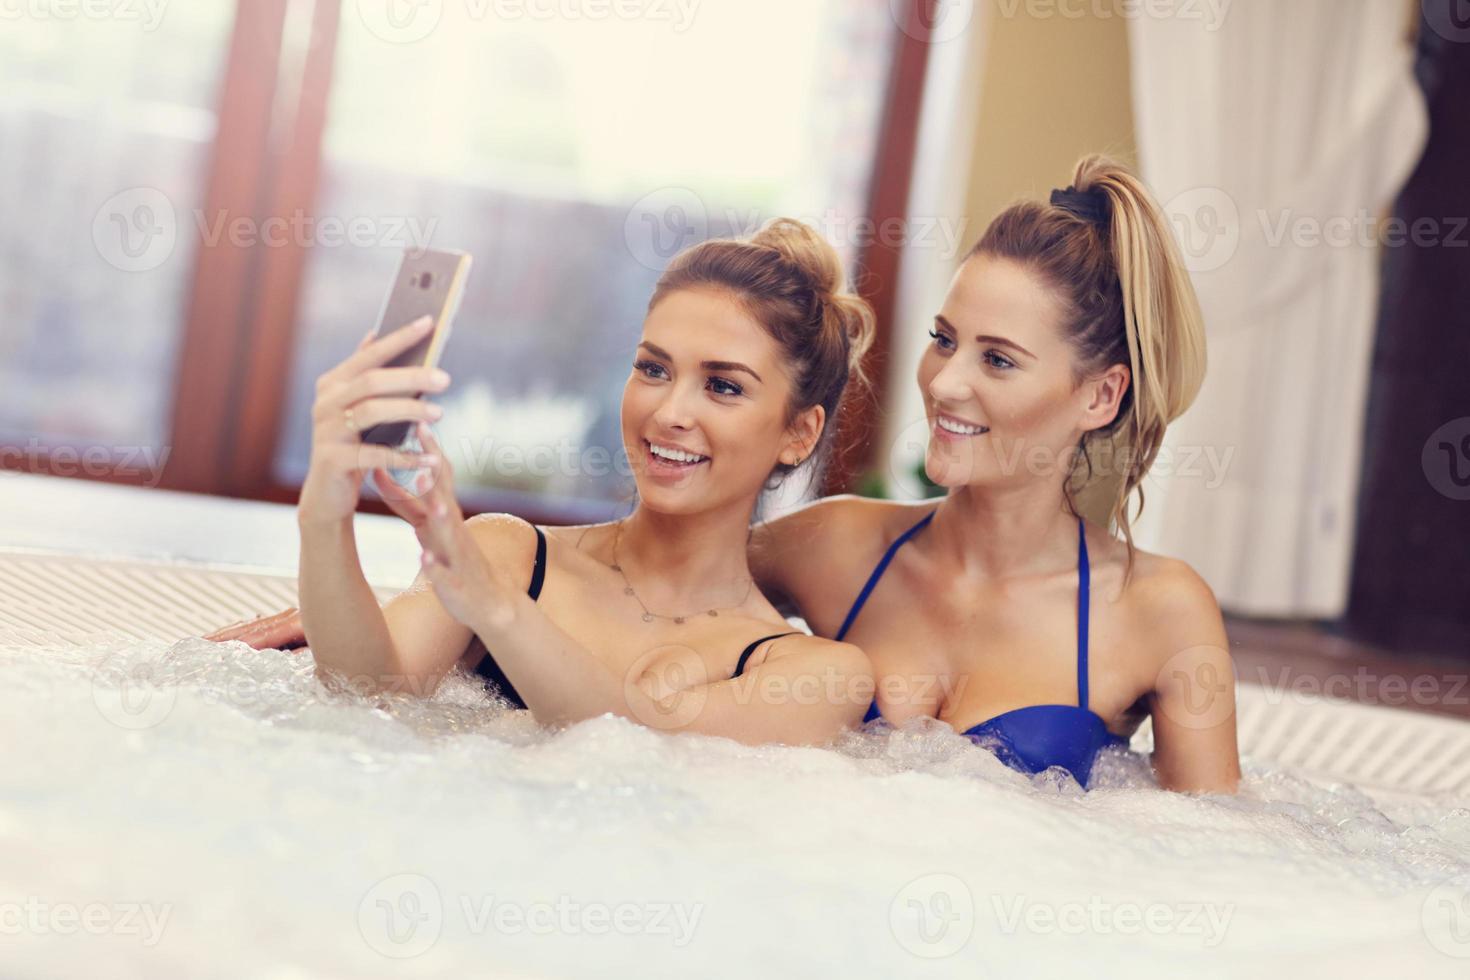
791 281
1104 246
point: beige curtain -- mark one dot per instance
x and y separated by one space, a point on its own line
1278 136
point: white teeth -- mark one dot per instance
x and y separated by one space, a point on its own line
958 429
677 455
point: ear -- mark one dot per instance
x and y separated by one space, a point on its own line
1104 395
802 435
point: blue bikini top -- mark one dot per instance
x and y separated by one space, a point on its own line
1038 736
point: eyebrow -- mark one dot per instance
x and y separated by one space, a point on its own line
985 338
657 351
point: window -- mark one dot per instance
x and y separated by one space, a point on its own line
572 148
106 121
573 158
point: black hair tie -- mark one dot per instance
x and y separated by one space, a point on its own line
1092 206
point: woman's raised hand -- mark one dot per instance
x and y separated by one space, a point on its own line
465 581
353 396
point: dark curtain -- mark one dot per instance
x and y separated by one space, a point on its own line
1411 568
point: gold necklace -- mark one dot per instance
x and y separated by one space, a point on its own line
648 615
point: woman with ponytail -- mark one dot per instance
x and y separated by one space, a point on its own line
744 354
1069 339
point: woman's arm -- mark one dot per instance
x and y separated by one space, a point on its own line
1193 698
803 695
466 563
339 613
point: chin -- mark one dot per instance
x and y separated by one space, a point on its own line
662 499
951 471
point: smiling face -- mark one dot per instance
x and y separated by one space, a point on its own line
998 381
704 413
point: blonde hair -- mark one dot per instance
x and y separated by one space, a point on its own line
1107 252
791 281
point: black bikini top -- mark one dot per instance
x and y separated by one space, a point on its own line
490 670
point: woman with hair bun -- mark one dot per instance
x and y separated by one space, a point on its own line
745 351
1069 339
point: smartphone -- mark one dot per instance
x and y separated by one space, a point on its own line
429 282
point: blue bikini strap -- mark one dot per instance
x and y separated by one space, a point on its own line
878 573
1084 582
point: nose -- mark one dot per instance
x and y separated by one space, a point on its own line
675 410
950 385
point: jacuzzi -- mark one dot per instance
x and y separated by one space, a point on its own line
171 807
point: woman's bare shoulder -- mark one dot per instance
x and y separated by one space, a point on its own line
838 516
1161 585
1165 599
503 536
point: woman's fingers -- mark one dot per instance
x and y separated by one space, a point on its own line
430 442
367 456
439 534
445 521
441 489
408 505
385 348
376 384
372 411
273 631
372 351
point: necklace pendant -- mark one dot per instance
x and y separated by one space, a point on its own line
648 617
679 620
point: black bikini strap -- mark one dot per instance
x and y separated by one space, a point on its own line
745 655
538 571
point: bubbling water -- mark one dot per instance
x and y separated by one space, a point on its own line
200 808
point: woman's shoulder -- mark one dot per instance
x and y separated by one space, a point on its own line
1157 584
841 516
1163 587
500 527
1168 605
504 536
